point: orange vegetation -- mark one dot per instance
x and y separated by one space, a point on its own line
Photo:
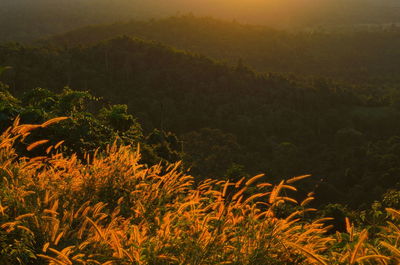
110 209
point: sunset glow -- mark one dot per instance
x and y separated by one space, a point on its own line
199 132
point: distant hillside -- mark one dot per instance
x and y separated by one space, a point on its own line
359 56
26 20
232 120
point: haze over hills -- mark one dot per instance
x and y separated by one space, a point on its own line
25 20
358 56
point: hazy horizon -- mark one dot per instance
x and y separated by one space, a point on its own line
275 13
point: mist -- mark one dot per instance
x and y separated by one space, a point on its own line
26 20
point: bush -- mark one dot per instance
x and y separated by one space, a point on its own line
111 209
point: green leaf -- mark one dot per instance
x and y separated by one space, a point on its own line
4 68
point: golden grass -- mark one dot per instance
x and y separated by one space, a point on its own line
113 210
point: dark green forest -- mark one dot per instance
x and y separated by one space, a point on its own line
345 135
92 124
366 55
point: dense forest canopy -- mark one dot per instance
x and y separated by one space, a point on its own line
26 20
346 127
345 135
358 56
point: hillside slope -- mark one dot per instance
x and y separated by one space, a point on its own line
26 20
231 116
358 56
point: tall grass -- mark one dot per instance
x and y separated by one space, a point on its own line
110 209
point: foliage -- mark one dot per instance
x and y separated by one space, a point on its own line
112 210
344 135
26 20
358 55
86 130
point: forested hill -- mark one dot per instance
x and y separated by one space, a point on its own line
232 120
368 55
26 20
